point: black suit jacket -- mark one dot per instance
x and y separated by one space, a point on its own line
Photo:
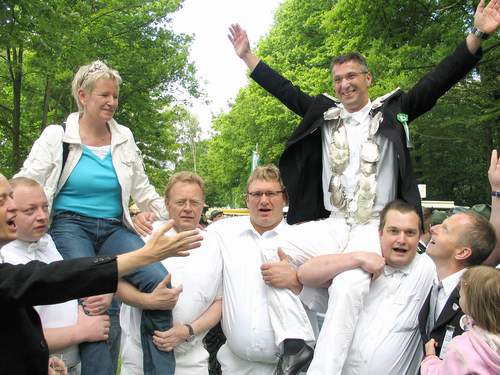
450 315
23 349
301 162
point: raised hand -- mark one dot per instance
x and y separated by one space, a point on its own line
238 37
494 171
487 18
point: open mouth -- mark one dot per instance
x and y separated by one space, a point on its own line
11 223
400 250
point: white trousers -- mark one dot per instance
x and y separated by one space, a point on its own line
346 297
288 317
191 362
231 364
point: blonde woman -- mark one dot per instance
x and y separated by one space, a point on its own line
90 168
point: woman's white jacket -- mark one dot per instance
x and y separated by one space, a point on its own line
44 164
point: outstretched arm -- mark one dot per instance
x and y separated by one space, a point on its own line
238 37
487 20
494 178
319 271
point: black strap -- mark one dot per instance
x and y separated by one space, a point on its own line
65 146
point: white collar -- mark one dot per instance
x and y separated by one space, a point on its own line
272 232
450 282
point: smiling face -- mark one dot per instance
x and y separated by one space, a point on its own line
102 101
32 219
351 82
399 238
265 212
185 204
445 238
7 212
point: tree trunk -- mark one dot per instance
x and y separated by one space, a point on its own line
46 96
15 61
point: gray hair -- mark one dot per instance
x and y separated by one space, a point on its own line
87 76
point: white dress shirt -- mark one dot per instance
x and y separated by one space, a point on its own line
387 340
449 284
247 301
200 276
52 316
357 128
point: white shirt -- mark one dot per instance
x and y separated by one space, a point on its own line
449 284
387 340
357 128
245 318
52 316
200 276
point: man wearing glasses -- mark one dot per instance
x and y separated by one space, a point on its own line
363 164
258 318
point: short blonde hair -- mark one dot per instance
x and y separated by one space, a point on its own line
186 177
24 182
268 172
88 75
481 286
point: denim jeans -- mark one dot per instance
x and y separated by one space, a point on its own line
78 236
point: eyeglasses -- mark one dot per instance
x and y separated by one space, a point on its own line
260 194
192 202
348 77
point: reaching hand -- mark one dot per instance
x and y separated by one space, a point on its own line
487 18
494 171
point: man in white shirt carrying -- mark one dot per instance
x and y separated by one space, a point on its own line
386 338
65 325
259 321
194 299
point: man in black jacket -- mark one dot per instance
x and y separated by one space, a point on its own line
24 349
349 157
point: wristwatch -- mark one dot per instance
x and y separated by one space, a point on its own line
481 35
191 335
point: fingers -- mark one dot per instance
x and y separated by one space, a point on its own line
166 281
164 228
282 255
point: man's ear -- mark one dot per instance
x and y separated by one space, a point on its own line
463 253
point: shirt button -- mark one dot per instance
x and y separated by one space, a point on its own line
42 344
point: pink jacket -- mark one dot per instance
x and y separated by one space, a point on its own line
467 354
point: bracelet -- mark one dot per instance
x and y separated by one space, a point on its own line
478 33
495 194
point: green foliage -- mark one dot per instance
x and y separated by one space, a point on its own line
402 40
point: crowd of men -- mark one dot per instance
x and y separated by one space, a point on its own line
347 249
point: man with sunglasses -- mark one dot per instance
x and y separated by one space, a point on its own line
363 164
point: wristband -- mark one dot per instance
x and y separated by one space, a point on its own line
481 35
495 194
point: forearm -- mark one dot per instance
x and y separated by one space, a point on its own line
130 261
132 296
209 318
251 60
319 271
473 43
59 339
494 258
